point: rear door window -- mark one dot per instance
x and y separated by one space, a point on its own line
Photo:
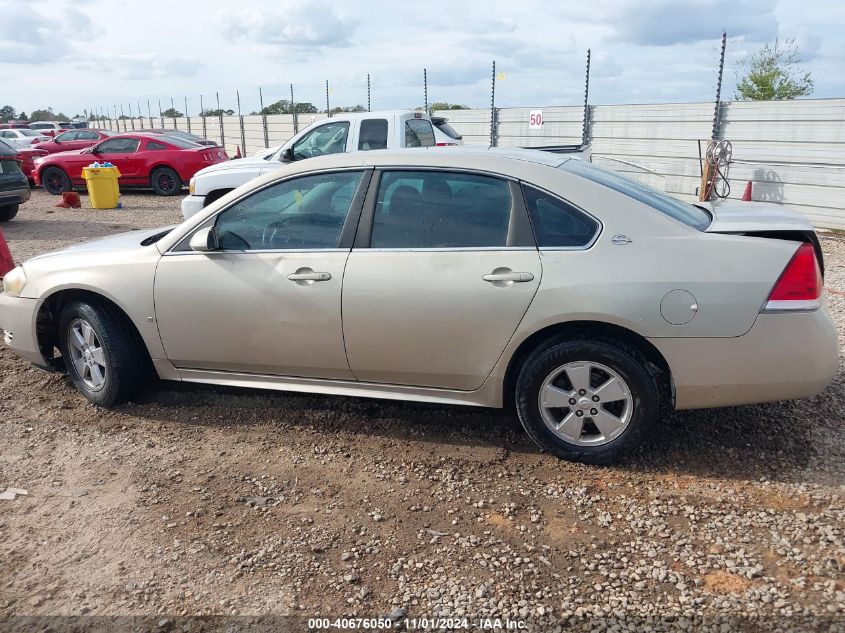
373 134
419 133
419 209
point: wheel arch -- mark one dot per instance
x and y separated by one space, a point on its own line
160 164
215 194
585 330
47 320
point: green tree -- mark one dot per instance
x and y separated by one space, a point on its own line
43 115
356 108
22 116
443 105
171 112
7 113
772 73
282 106
209 112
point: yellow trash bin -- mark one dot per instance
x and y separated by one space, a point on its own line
103 191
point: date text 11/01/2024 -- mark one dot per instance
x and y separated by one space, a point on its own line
420 623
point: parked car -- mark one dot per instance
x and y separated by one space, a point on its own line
344 132
50 128
185 136
14 125
161 163
74 139
14 187
27 155
23 137
444 133
462 276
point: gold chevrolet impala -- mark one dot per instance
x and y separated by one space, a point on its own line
587 301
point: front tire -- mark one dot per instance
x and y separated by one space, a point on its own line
589 401
165 181
103 356
8 212
56 180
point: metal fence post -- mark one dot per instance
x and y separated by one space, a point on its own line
220 119
202 116
140 116
187 116
131 118
493 139
241 122
263 117
293 111
585 132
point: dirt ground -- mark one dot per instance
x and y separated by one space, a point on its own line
207 501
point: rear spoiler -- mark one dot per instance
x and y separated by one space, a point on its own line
583 149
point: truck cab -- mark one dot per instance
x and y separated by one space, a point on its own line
345 132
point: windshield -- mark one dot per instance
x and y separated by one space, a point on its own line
30 133
694 217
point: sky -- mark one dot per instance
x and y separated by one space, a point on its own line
98 54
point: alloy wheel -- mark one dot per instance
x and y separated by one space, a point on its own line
585 403
87 354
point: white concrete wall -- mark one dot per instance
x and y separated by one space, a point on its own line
793 151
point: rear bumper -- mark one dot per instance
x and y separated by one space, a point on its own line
17 195
192 205
783 357
17 322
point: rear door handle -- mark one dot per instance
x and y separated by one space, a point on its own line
511 276
309 276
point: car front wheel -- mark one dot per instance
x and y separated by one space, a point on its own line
102 355
585 400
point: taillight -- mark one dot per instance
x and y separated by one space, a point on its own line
799 286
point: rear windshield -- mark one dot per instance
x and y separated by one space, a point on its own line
30 133
179 142
692 216
6 149
447 129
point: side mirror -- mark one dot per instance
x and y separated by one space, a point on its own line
205 240
287 155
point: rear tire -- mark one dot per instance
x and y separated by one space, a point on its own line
56 180
165 181
8 212
103 356
588 401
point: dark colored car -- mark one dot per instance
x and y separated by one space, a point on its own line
161 163
27 156
185 136
14 187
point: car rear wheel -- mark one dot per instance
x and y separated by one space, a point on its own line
55 180
8 212
590 401
165 181
102 355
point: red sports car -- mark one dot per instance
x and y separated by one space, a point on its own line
151 161
74 139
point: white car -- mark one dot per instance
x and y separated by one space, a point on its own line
23 136
345 132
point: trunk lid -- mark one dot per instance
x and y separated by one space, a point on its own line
752 217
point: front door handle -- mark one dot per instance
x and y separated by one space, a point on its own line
308 275
509 276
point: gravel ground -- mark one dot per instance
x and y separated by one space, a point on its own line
206 501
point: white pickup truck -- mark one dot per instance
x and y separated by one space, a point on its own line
346 132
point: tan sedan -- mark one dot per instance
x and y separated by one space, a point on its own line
468 276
